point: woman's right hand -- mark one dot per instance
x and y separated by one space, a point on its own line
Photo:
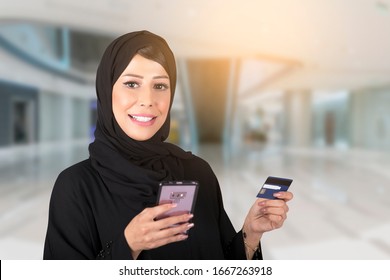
144 232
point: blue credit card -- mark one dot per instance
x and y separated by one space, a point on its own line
273 185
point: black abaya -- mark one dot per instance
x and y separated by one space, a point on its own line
87 220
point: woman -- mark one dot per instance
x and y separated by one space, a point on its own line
105 207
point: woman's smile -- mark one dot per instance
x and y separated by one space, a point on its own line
143 120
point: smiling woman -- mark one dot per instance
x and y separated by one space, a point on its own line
141 98
105 207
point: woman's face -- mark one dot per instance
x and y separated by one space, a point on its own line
141 97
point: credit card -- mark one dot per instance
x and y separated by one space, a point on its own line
273 185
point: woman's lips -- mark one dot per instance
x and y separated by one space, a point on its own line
143 120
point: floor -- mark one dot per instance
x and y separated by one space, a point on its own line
340 209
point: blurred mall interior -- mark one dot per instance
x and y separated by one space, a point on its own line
244 113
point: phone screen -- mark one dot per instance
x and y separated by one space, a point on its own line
183 193
273 185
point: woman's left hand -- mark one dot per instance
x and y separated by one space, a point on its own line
266 215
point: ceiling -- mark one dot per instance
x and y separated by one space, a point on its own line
321 44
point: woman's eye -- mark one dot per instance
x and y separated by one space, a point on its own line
161 86
131 84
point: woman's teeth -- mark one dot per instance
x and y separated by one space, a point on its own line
142 119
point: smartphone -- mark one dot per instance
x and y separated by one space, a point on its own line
183 193
273 185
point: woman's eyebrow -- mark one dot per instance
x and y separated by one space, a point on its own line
161 77
133 75
141 77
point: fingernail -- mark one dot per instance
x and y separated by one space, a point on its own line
190 225
183 236
277 194
173 205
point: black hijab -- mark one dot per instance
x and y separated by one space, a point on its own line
130 168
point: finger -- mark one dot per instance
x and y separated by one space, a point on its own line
173 220
153 212
286 196
272 203
279 210
258 200
275 212
276 220
272 211
176 229
168 235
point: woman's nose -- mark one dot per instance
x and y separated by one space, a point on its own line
146 98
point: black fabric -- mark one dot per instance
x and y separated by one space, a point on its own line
93 201
87 220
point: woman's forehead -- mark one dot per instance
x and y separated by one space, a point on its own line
141 66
